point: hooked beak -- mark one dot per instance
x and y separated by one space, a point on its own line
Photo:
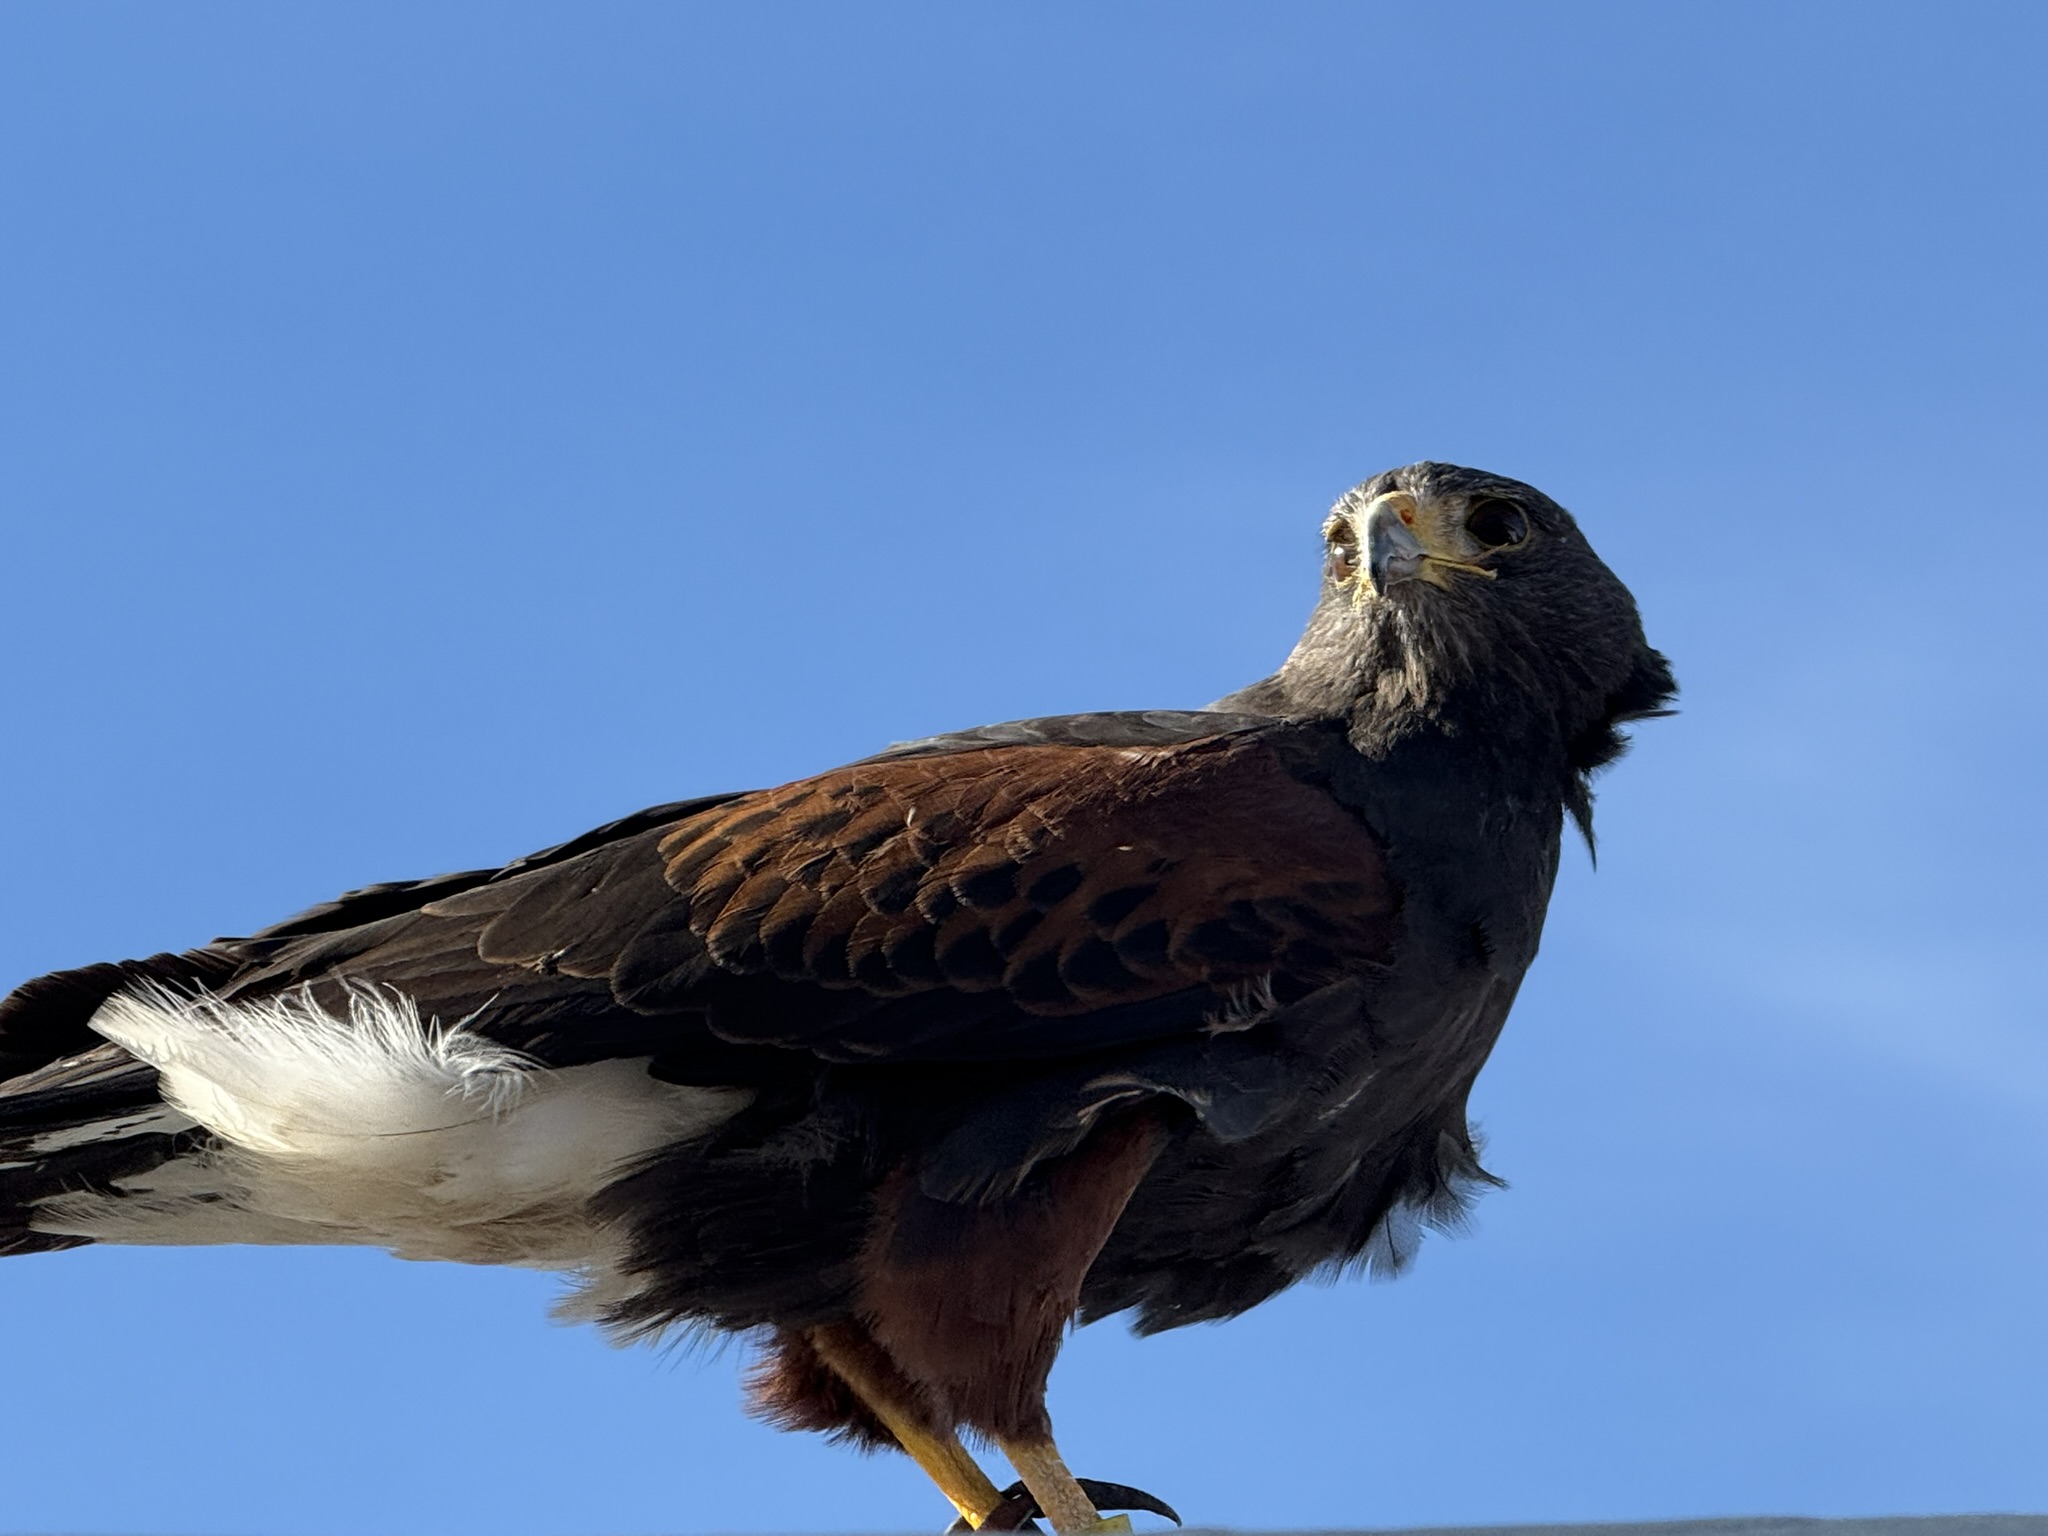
1397 534
1392 551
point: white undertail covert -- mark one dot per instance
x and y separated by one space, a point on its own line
375 1126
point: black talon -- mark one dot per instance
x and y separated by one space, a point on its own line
1019 1509
1106 1496
1017 1512
1013 1514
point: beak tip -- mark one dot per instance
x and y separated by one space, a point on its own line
1392 551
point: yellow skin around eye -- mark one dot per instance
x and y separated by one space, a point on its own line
1437 525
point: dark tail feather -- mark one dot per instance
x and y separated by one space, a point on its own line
78 1126
76 1112
47 1019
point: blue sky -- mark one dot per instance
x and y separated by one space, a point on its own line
428 429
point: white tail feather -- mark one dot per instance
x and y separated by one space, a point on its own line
282 1075
379 1127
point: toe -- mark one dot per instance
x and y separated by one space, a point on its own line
1108 1496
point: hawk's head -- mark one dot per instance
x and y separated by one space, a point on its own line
1463 597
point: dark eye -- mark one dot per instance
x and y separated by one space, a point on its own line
1343 559
1497 523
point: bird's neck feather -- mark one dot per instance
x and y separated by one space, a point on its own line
1473 705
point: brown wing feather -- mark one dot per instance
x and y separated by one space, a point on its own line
1010 902
1068 878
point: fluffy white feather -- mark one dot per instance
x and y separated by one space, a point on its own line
378 1127
282 1075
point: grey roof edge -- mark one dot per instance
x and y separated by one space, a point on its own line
1732 1525
1727 1525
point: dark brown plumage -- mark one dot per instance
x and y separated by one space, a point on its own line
1149 1012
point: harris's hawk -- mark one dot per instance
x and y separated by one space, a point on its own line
902 1068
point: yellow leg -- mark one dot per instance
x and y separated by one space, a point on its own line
1062 1500
944 1459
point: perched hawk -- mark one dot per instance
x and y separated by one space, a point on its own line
903 1068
